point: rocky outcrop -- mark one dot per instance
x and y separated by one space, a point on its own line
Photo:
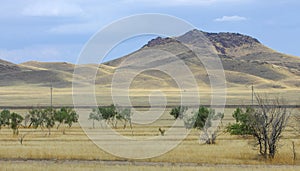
159 41
8 67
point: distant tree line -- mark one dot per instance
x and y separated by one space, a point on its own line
111 115
38 118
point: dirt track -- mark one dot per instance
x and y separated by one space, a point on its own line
141 163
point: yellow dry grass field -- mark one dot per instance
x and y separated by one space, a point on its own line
40 96
75 151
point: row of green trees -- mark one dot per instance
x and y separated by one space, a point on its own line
112 115
38 118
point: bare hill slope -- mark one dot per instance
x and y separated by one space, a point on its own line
245 60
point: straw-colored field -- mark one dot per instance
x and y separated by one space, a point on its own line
74 151
40 96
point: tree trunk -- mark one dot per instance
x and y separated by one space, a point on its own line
213 138
58 126
294 151
272 150
125 124
260 146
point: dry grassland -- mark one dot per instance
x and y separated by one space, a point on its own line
74 151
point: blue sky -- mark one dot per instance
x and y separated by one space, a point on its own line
56 30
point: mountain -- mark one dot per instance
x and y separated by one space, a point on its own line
245 61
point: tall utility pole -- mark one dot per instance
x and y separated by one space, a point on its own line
51 95
252 93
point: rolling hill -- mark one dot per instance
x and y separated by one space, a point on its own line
6 67
245 60
26 74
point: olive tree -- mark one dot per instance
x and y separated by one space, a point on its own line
4 118
43 118
95 115
204 119
36 118
211 126
60 117
65 116
124 114
178 112
48 119
111 114
15 122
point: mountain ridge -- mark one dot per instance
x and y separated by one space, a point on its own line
239 54
244 60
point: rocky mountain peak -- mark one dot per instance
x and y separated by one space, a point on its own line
221 41
159 41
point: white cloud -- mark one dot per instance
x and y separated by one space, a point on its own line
52 8
230 18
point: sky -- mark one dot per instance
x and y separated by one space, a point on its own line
57 30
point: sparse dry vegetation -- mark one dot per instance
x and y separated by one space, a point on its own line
234 152
75 144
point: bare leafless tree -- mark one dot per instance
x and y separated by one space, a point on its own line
268 121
